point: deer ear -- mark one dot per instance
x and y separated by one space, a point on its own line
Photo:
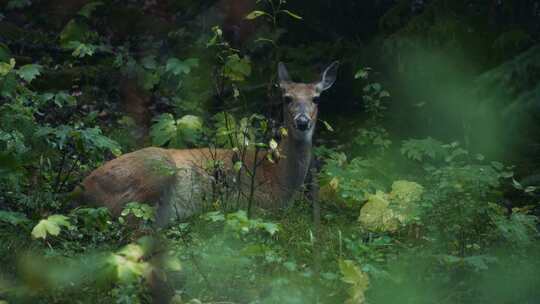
283 75
328 77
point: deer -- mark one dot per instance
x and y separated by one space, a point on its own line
173 181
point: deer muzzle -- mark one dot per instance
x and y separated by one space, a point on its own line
302 122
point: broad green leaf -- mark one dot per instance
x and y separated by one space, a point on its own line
214 216
29 72
164 130
237 166
255 15
93 138
172 263
358 280
270 228
189 129
295 16
13 218
81 50
126 270
41 229
46 97
362 74
5 68
50 226
150 80
236 68
191 122
60 220
139 210
63 98
132 252
177 66
73 31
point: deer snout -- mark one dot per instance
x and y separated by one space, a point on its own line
302 122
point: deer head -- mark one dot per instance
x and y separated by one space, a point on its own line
300 101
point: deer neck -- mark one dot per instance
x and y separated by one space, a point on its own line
294 167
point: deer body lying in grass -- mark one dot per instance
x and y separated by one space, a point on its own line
176 183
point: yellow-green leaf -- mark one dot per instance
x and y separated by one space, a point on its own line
237 166
191 122
5 68
295 16
255 15
50 226
358 280
327 126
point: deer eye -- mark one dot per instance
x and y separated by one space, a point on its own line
316 99
287 99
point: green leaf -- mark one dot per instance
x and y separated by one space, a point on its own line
189 129
50 226
177 66
172 263
273 144
29 72
295 16
214 216
132 252
142 211
358 280
6 68
150 80
270 228
190 122
81 50
89 8
60 220
73 31
327 126
63 98
93 139
13 218
236 68
362 73
255 15
237 166
164 130
127 265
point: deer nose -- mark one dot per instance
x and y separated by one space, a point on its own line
302 122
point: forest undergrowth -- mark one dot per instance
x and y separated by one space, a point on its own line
416 213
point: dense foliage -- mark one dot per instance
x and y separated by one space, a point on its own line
427 146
